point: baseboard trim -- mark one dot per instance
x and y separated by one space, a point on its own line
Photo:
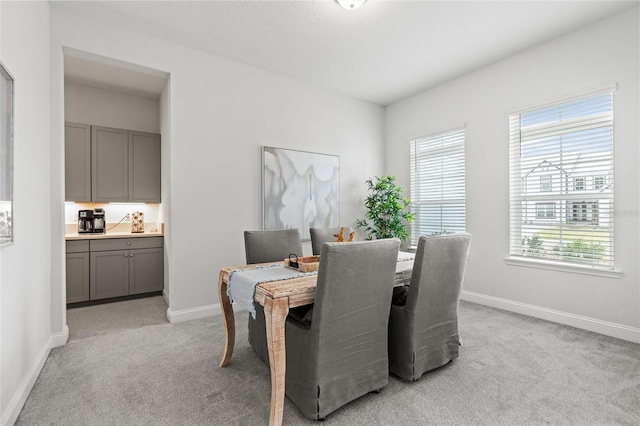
11 413
618 331
60 339
175 317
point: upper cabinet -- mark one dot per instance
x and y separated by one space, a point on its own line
144 167
123 165
109 164
77 159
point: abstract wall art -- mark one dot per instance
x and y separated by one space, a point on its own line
300 190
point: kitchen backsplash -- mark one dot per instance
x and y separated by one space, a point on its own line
114 212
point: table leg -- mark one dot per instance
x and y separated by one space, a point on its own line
275 313
229 322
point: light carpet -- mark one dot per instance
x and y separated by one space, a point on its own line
125 365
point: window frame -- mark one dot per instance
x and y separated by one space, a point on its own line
446 151
590 196
544 208
7 116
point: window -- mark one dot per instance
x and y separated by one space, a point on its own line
583 211
545 183
561 155
598 182
545 210
6 156
438 184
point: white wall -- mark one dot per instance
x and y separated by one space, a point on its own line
601 53
101 107
215 116
25 266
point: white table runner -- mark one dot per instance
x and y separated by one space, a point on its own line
242 282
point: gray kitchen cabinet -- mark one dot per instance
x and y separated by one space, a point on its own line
144 167
113 267
77 159
146 272
125 165
77 265
109 274
104 164
126 266
109 164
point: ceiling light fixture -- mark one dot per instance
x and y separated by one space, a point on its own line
350 4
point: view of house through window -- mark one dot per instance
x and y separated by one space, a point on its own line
438 184
561 166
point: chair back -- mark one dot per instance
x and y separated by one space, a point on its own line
437 276
320 236
423 333
343 354
271 246
353 298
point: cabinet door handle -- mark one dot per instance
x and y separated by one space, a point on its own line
129 243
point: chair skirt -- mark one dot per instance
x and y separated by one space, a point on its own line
413 353
317 389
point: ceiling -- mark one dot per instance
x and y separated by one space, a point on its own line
381 53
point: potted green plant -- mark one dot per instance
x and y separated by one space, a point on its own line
388 212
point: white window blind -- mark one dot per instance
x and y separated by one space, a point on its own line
568 145
438 184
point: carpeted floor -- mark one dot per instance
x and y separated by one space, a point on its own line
125 365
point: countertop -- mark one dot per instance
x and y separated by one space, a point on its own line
120 231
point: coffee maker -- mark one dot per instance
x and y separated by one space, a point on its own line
85 221
91 221
99 221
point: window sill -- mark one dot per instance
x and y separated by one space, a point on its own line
562 267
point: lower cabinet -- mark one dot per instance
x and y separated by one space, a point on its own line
77 271
118 267
146 272
109 274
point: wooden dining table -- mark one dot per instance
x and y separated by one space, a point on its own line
277 297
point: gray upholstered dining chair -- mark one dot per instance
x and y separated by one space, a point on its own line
423 325
337 348
320 236
260 247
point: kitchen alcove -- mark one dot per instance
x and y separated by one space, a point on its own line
112 110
